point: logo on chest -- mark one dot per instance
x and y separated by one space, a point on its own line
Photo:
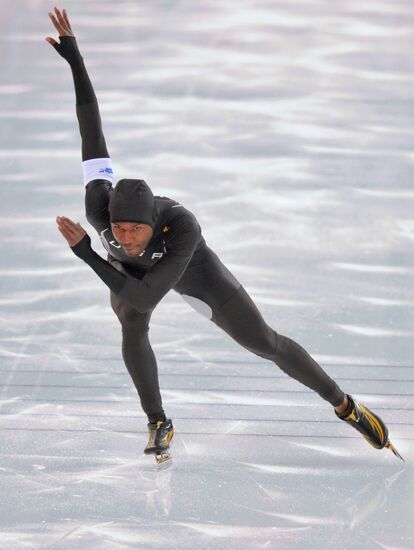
159 254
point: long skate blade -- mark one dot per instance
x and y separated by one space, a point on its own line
391 447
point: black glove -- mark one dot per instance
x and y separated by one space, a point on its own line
83 249
68 49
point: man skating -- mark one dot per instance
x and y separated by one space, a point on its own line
155 244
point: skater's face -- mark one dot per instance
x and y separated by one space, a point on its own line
133 237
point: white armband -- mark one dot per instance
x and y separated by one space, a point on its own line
97 169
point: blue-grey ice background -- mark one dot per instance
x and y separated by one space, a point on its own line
287 128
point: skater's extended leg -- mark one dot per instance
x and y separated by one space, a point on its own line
214 291
242 320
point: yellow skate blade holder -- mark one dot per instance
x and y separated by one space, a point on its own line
391 447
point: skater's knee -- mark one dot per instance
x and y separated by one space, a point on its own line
265 343
129 316
285 345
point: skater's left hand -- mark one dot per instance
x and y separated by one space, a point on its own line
61 23
73 232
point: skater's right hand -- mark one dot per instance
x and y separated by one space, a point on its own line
67 46
73 232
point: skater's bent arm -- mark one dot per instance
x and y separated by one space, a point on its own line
95 156
144 294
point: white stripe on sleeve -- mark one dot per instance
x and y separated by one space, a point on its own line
97 169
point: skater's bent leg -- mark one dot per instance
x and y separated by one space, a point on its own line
139 357
240 318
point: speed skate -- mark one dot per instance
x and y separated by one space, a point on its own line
160 436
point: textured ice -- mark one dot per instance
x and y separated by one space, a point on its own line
287 128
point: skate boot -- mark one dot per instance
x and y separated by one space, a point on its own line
368 424
160 435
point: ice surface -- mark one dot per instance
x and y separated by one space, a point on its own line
287 128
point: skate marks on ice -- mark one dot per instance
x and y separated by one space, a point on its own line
202 494
235 481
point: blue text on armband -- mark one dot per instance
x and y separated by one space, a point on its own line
106 171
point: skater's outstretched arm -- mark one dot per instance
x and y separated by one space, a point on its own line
87 110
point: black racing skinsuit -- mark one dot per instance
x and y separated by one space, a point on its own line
177 258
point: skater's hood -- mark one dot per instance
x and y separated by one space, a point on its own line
133 201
